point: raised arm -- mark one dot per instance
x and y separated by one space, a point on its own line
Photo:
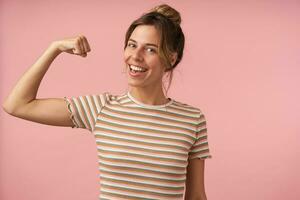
22 101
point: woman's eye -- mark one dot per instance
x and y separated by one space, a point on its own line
150 50
130 45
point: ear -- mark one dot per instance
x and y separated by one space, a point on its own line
173 58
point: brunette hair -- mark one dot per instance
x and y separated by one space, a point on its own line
167 21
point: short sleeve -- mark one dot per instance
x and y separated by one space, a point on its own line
84 110
200 148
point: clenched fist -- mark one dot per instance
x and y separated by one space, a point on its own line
76 45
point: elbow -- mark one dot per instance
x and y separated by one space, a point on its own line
8 109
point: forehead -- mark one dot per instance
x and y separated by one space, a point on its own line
145 34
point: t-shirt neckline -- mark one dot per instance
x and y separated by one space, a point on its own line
148 105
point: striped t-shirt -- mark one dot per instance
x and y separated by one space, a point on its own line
143 149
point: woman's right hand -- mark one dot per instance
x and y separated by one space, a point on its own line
76 45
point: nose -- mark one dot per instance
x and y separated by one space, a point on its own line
137 54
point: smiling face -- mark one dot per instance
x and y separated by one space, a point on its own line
142 52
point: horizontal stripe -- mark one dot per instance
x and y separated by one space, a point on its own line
141 112
149 168
157 120
124 192
144 126
147 143
143 149
139 154
148 171
141 163
140 188
141 175
150 184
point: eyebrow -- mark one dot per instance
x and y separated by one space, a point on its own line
148 44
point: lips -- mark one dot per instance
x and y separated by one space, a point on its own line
136 74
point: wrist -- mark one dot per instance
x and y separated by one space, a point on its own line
54 47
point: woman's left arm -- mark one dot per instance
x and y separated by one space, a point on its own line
194 189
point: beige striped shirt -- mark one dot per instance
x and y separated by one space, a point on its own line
143 149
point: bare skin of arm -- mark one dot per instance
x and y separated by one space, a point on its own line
22 102
195 189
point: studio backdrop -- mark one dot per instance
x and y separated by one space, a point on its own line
241 67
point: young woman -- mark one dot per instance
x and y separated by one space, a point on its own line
149 146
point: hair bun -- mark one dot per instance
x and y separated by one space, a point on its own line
169 12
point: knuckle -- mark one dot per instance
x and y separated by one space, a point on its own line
77 41
81 37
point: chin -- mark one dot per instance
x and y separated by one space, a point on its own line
135 84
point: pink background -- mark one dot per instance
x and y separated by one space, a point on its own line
241 66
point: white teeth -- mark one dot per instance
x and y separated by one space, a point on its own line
136 68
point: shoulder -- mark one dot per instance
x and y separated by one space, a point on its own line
187 107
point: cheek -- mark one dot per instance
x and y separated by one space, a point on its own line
125 55
158 64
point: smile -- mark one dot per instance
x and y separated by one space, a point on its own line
134 68
136 71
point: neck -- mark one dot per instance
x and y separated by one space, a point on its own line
151 96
